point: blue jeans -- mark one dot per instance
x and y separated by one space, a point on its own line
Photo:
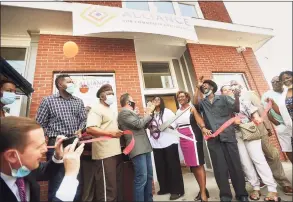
54 183
143 177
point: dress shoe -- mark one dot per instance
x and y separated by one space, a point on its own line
175 196
162 193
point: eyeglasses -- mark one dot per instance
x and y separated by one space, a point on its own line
273 82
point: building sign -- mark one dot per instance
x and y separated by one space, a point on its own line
87 86
89 19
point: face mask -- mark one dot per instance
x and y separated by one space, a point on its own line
70 88
131 104
109 99
8 98
20 172
208 93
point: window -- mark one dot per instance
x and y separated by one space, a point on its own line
164 7
187 10
140 5
15 57
225 78
157 75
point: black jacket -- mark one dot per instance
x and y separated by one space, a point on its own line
44 172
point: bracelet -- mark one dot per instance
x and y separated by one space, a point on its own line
57 158
202 127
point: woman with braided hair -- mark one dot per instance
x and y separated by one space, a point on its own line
165 148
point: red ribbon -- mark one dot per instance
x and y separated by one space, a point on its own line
126 151
231 121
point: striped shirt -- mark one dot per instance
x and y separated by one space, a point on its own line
59 116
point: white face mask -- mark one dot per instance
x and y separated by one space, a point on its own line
70 88
109 99
208 93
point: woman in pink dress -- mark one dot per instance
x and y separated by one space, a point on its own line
191 124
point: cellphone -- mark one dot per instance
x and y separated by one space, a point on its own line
69 141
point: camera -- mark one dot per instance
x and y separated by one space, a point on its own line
69 141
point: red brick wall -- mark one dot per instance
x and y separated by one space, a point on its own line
215 10
95 55
102 3
208 59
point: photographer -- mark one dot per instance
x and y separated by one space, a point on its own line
22 146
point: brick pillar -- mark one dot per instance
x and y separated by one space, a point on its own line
208 59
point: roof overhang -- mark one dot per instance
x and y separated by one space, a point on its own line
56 18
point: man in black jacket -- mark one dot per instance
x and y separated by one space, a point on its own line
22 146
216 110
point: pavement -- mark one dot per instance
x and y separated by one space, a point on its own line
191 187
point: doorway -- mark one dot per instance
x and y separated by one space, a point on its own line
169 100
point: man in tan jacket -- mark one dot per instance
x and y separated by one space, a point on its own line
102 174
271 152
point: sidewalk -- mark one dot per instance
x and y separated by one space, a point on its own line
191 187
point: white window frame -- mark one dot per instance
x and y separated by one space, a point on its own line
234 73
124 5
152 7
18 42
195 4
150 91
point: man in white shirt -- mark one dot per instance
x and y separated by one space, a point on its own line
22 146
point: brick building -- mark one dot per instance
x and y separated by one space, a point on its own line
144 62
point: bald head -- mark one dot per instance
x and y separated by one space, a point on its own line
276 84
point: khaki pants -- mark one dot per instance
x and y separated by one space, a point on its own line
273 158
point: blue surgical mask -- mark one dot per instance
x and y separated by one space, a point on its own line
8 98
70 88
20 172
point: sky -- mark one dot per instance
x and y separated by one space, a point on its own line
276 55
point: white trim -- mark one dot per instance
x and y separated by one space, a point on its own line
183 76
189 76
232 27
195 146
53 5
231 73
15 42
104 179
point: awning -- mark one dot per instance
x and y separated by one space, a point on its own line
8 72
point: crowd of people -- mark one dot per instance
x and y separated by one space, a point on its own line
94 172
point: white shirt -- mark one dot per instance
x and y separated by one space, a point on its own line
165 139
63 194
183 119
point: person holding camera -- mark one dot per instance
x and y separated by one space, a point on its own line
22 146
61 114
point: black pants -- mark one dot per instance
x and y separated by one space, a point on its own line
226 160
54 183
169 170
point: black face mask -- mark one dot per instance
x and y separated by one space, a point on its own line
131 104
